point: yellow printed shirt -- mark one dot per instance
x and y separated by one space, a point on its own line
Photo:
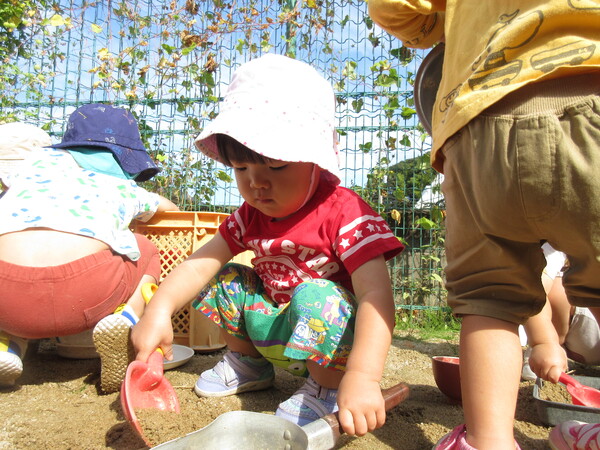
493 48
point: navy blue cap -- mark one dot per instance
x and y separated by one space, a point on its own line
112 128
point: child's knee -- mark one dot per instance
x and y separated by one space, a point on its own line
321 294
308 291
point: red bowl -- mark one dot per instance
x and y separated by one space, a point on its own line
446 373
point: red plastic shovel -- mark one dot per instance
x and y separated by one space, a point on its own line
145 386
581 394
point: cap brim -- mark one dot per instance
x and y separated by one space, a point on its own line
146 174
131 160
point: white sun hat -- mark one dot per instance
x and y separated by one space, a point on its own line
281 108
17 141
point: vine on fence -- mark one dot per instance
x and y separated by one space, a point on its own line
145 55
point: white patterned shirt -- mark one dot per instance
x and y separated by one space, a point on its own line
53 191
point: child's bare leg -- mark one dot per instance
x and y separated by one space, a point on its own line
561 309
234 344
327 378
490 368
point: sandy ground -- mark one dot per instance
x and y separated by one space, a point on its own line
57 405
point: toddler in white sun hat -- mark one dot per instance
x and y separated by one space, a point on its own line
318 300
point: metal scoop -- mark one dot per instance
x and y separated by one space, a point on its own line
251 430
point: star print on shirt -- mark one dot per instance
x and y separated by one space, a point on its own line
332 240
360 232
235 222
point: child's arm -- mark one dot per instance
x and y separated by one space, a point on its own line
180 287
548 359
166 205
359 397
417 23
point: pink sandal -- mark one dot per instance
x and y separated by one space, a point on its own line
457 440
573 435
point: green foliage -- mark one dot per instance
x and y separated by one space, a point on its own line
169 63
428 323
424 284
15 16
18 21
176 57
399 186
417 274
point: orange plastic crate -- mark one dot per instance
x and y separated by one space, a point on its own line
177 234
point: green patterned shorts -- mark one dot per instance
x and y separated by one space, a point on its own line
316 325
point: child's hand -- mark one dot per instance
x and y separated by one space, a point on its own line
548 361
151 332
362 408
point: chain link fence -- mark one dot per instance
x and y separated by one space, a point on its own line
169 62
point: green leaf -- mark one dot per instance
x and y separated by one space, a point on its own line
168 48
57 20
437 215
357 105
437 278
223 176
350 70
407 112
386 80
366 147
187 50
392 103
208 79
425 223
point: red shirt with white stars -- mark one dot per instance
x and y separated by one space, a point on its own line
332 235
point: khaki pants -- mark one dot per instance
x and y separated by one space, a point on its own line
525 171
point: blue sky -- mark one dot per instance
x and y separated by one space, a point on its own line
99 32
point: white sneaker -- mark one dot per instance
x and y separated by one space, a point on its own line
308 403
12 349
235 374
526 372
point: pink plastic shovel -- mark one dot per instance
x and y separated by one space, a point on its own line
145 386
581 394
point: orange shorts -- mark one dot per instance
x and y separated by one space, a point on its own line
41 302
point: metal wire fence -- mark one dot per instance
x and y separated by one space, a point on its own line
169 63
